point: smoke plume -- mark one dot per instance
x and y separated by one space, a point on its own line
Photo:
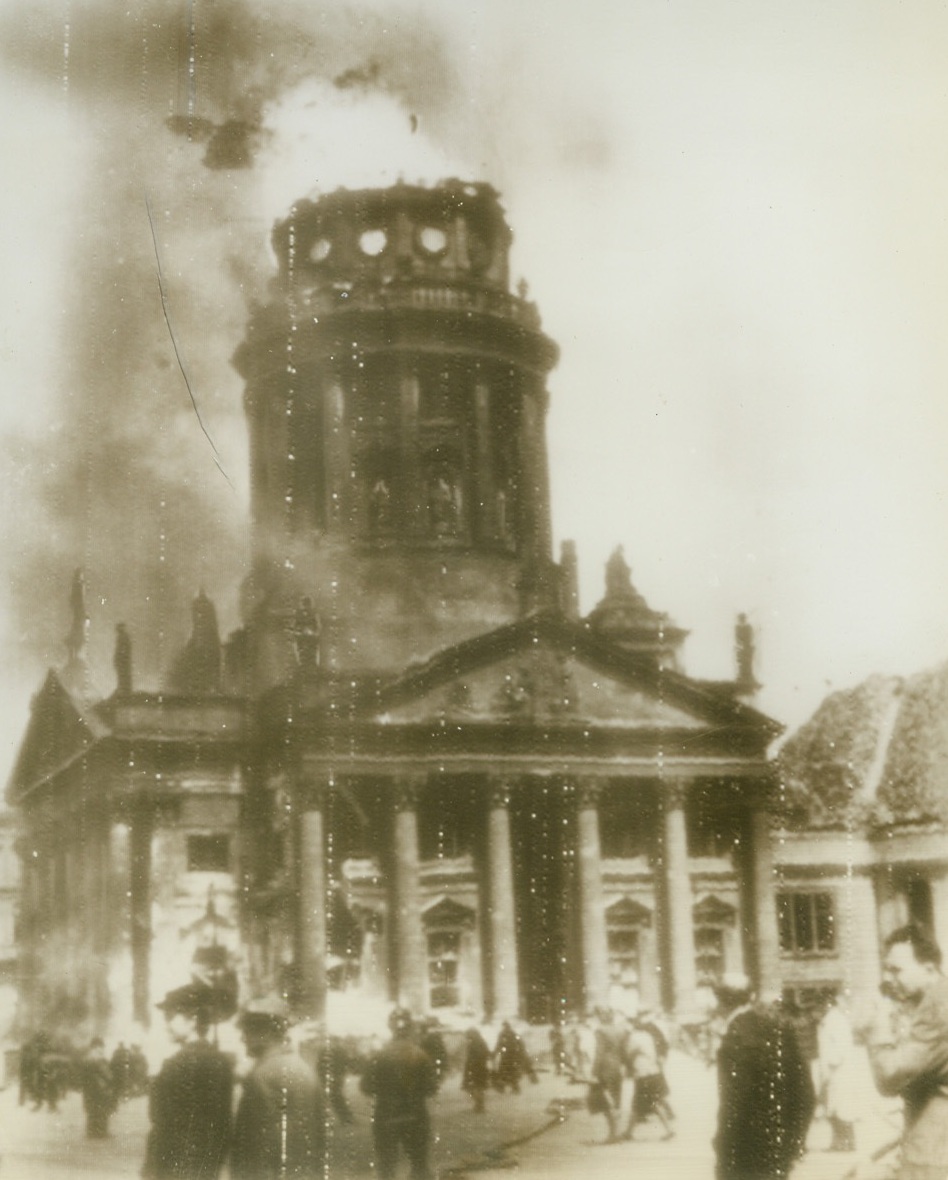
204 123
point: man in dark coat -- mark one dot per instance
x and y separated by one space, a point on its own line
766 1097
190 1103
476 1076
279 1127
99 1097
401 1078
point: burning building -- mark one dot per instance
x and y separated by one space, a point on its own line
414 772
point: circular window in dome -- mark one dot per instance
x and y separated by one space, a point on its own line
433 240
373 242
320 250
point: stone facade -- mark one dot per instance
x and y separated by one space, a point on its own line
413 773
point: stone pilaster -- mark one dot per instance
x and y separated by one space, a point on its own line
504 973
891 903
311 945
410 949
413 507
485 492
677 899
592 906
338 462
764 906
938 883
856 919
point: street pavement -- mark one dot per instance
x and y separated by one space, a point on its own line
543 1133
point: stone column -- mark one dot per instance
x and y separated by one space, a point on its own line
504 973
891 903
938 883
484 491
534 498
413 506
591 904
678 900
856 920
411 952
338 464
766 935
311 932
140 837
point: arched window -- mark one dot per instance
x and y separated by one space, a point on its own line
443 492
379 469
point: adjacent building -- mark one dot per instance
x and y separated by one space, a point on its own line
861 844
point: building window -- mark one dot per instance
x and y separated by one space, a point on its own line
623 949
209 854
444 953
709 955
807 924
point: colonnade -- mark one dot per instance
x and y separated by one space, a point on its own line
673 893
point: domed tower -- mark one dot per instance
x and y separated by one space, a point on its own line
396 400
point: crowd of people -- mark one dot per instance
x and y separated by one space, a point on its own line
773 1074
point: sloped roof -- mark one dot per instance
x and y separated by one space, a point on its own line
871 755
61 728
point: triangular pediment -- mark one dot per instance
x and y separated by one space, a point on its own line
549 672
59 731
712 911
542 686
448 913
628 912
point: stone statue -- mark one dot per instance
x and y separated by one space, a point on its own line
618 575
79 628
306 632
380 506
122 660
197 669
744 652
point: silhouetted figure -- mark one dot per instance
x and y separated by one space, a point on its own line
78 635
557 1048
306 632
618 574
401 1078
605 1091
122 660
765 1091
744 646
511 1060
380 506
433 1044
332 1068
476 1077
98 1093
137 1071
279 1127
190 1106
121 1071
650 1089
197 670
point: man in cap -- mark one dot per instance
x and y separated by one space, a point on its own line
279 1127
765 1090
908 1049
190 1104
401 1078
